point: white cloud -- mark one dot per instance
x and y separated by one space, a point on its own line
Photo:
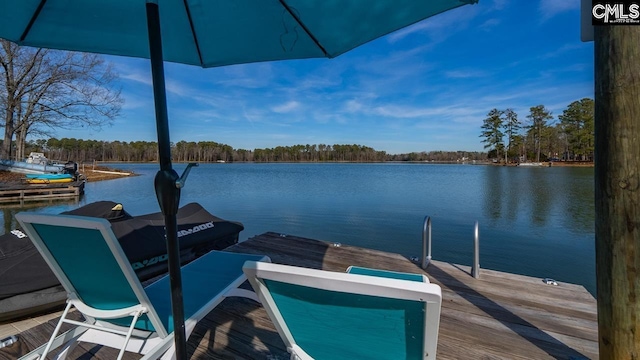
449 112
464 74
489 24
442 25
178 88
252 115
250 76
140 77
207 115
551 8
318 82
352 106
501 4
171 85
419 27
286 107
563 50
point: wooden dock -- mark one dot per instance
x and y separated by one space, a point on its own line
37 192
499 316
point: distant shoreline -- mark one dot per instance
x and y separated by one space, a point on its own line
102 173
477 162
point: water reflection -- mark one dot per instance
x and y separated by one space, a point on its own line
494 192
514 192
10 210
539 193
542 196
580 200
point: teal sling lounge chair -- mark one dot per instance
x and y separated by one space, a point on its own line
362 314
86 257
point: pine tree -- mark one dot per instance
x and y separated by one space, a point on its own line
538 116
511 126
491 130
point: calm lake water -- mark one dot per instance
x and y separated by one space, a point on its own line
533 221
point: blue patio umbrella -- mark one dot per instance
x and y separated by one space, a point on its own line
207 33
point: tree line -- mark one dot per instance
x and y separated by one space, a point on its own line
541 137
440 156
79 150
321 152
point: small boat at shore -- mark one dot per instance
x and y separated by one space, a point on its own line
37 163
28 286
48 178
535 164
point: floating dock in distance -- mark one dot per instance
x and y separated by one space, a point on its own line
38 192
498 316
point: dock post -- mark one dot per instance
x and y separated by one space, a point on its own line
617 189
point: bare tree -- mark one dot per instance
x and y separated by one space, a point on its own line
43 90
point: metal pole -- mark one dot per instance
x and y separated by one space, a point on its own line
475 270
426 242
165 181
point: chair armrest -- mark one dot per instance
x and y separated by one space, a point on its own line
357 270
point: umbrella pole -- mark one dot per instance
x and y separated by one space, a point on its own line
165 182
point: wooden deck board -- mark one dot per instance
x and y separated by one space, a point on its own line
499 316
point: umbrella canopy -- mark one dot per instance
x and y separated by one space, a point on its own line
213 32
206 33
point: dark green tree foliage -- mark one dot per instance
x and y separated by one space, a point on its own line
492 131
322 152
511 128
518 145
577 124
203 151
571 139
440 156
538 117
79 150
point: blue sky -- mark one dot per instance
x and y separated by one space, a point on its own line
427 87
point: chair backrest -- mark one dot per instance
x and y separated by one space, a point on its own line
87 258
332 315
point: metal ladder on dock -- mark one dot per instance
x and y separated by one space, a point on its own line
426 247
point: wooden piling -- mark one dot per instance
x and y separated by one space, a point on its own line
617 196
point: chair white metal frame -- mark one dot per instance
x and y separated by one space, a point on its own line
119 312
363 314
